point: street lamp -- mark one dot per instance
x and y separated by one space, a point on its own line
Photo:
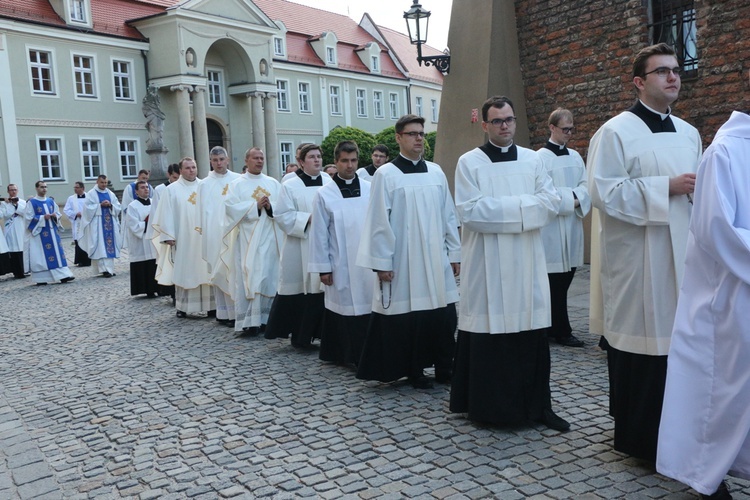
417 23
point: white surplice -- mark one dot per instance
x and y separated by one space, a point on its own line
137 225
705 423
292 214
15 228
563 237
335 233
73 206
251 248
639 232
416 211
502 207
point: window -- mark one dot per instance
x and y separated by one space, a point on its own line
377 104
335 92
278 47
375 64
285 149
128 151
419 110
674 23
361 102
83 71
330 55
393 105
91 158
303 90
215 95
122 79
50 158
40 64
434 104
282 91
78 10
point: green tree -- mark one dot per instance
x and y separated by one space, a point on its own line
429 152
364 140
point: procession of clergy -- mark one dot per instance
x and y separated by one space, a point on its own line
366 260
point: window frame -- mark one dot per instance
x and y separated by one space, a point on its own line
282 96
330 55
118 74
435 110
59 153
86 154
675 23
72 4
361 101
281 46
335 98
393 105
378 104
94 96
283 154
49 66
419 106
135 153
375 63
308 94
219 85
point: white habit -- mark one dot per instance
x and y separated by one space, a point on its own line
705 423
100 232
251 249
178 218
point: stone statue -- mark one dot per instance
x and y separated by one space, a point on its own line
154 119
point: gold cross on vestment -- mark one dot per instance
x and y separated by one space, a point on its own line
192 197
260 193
226 188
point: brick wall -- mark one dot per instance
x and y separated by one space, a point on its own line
578 54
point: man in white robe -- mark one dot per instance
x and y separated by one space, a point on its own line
379 158
339 208
705 422
563 237
12 210
100 233
299 305
642 167
173 174
178 242
503 198
128 195
410 239
212 191
140 247
252 244
46 253
73 209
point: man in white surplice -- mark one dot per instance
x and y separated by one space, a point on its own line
212 192
15 231
74 210
705 423
100 234
141 250
178 242
252 244
563 237
642 167
410 239
129 194
299 305
503 198
339 208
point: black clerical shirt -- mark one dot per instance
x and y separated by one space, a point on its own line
496 154
652 120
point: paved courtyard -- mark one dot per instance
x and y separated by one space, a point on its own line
107 396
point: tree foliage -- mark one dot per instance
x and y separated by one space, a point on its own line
429 152
364 140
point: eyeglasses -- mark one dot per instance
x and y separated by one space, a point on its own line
566 130
497 122
413 134
663 72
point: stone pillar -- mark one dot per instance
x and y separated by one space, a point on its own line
201 131
273 162
259 133
183 118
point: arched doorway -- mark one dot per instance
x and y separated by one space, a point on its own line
215 134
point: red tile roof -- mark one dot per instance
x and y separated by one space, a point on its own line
109 16
407 55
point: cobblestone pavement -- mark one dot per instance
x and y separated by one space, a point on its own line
108 396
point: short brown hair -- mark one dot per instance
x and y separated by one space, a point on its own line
187 158
559 114
345 147
306 149
406 120
641 58
496 101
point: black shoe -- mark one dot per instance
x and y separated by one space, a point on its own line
151 295
68 279
553 421
107 274
720 494
420 382
41 284
181 314
250 331
305 347
211 314
571 341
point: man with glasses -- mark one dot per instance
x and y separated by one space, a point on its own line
563 237
642 174
410 238
46 253
503 197
379 158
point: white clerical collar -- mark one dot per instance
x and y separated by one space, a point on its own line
561 146
313 177
501 148
663 116
415 162
187 181
347 181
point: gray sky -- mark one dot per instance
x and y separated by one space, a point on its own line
390 13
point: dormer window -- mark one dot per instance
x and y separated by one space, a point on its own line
375 64
330 55
278 47
78 11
